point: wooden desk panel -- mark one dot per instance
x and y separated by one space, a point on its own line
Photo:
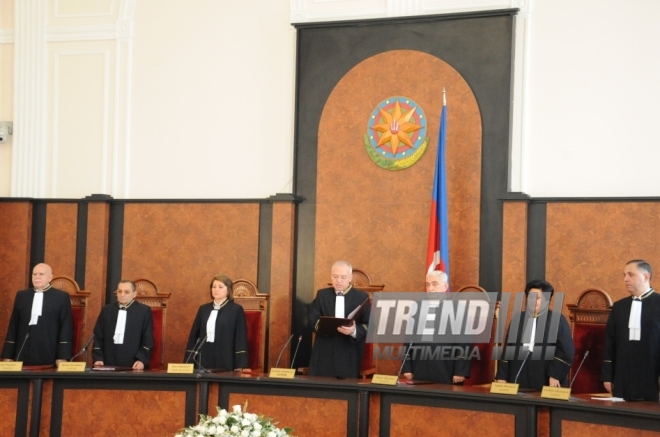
123 412
581 429
312 406
8 411
128 403
307 416
419 420
159 404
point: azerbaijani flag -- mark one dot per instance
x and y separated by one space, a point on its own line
437 253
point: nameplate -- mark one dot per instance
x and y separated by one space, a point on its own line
11 366
180 368
385 379
560 393
71 367
282 373
504 388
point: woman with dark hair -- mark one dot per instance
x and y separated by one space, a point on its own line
525 362
218 338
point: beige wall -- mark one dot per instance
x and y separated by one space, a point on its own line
196 101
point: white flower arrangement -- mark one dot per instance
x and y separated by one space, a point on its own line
238 423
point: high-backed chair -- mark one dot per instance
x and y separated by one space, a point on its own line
78 310
483 370
255 305
362 281
588 319
148 294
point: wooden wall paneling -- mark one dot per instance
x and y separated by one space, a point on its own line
15 235
281 283
61 230
181 246
327 56
589 243
514 247
378 219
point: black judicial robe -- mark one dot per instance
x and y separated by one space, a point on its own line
437 370
138 336
338 355
536 373
229 350
50 339
633 366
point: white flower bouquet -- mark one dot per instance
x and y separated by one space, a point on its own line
238 423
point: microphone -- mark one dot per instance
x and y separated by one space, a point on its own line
22 346
84 349
282 351
515 381
586 354
296 352
405 357
193 350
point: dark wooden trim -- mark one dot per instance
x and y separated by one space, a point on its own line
38 238
265 247
536 228
407 19
81 244
115 250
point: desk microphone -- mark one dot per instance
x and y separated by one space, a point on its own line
282 351
193 350
84 349
405 357
515 381
196 352
22 346
586 354
296 352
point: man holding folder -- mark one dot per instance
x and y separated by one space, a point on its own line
338 352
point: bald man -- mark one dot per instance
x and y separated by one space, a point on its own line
40 328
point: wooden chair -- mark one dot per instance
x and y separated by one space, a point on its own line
148 294
483 370
78 310
255 305
588 319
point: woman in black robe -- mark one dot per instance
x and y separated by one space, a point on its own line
218 337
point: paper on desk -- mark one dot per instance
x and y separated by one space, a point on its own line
610 399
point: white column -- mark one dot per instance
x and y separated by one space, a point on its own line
29 154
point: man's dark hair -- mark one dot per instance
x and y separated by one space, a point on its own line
128 281
642 265
542 285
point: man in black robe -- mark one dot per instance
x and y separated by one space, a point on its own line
631 360
40 327
124 340
340 354
534 373
444 371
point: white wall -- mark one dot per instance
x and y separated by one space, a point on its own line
195 99
594 99
212 100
